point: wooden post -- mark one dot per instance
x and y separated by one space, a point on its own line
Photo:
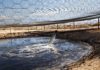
64 26
10 30
28 29
44 27
41 28
73 25
98 24
70 25
11 35
57 27
36 28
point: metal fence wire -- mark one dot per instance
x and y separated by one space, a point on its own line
14 11
22 11
28 11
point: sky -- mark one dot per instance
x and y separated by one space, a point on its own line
29 11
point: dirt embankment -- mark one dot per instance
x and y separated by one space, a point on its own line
93 38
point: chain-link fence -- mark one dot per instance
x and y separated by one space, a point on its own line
16 12
26 11
29 11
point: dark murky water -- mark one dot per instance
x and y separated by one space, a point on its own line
37 53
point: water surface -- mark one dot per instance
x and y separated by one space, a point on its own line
39 53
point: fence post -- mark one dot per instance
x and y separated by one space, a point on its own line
10 31
28 29
44 27
64 26
36 28
11 35
73 25
57 27
98 24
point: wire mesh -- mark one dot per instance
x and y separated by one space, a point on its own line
28 11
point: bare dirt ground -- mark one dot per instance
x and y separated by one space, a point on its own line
93 38
92 64
27 31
